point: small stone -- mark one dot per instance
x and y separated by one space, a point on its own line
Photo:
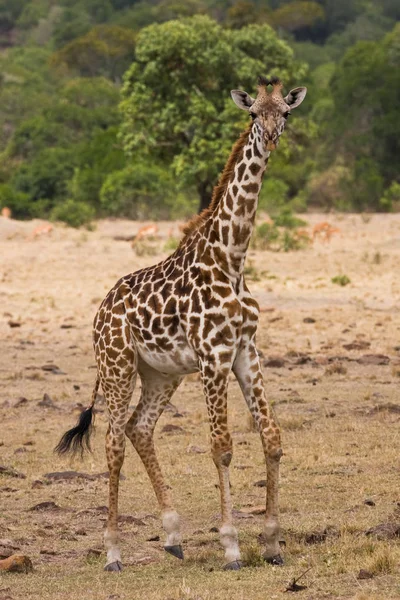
261 483
276 362
169 428
52 369
153 538
80 532
10 472
195 450
308 320
364 574
131 519
21 402
37 484
374 359
76 387
68 475
47 402
47 505
369 502
14 324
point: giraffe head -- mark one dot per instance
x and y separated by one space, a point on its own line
270 109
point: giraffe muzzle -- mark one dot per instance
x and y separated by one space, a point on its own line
271 145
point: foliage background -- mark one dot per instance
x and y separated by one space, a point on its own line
122 107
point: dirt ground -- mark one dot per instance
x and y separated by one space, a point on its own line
332 370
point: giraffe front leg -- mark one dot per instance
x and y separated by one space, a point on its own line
247 370
215 384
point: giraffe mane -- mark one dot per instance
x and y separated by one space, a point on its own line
220 188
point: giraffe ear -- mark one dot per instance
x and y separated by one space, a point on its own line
295 97
242 99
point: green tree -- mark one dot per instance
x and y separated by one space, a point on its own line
104 50
176 105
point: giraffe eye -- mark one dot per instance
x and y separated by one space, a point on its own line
253 115
286 114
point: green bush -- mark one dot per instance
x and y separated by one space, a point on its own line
287 219
73 213
18 202
341 280
140 191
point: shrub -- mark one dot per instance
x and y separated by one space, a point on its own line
287 219
341 280
73 213
139 191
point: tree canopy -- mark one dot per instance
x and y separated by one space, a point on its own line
122 106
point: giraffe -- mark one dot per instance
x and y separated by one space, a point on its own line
193 313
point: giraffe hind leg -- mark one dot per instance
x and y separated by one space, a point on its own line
118 391
157 389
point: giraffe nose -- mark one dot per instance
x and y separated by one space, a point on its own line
271 145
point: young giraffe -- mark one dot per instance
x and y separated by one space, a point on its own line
193 312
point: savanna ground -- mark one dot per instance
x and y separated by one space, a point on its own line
338 408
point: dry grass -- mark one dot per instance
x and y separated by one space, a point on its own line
330 465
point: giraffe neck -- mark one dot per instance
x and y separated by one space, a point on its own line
230 224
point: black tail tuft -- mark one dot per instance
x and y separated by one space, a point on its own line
77 439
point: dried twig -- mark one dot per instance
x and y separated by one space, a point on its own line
293 585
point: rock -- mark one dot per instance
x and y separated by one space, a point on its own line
68 475
47 505
14 324
308 320
364 574
169 428
385 531
131 519
17 563
7 548
37 484
388 407
261 483
318 537
21 402
374 359
153 538
357 345
276 362
369 502
53 369
80 532
195 450
47 402
10 472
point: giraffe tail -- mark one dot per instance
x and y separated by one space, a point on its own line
77 439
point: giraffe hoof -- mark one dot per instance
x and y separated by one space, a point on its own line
274 560
116 567
235 565
175 551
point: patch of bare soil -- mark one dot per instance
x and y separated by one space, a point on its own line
331 358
